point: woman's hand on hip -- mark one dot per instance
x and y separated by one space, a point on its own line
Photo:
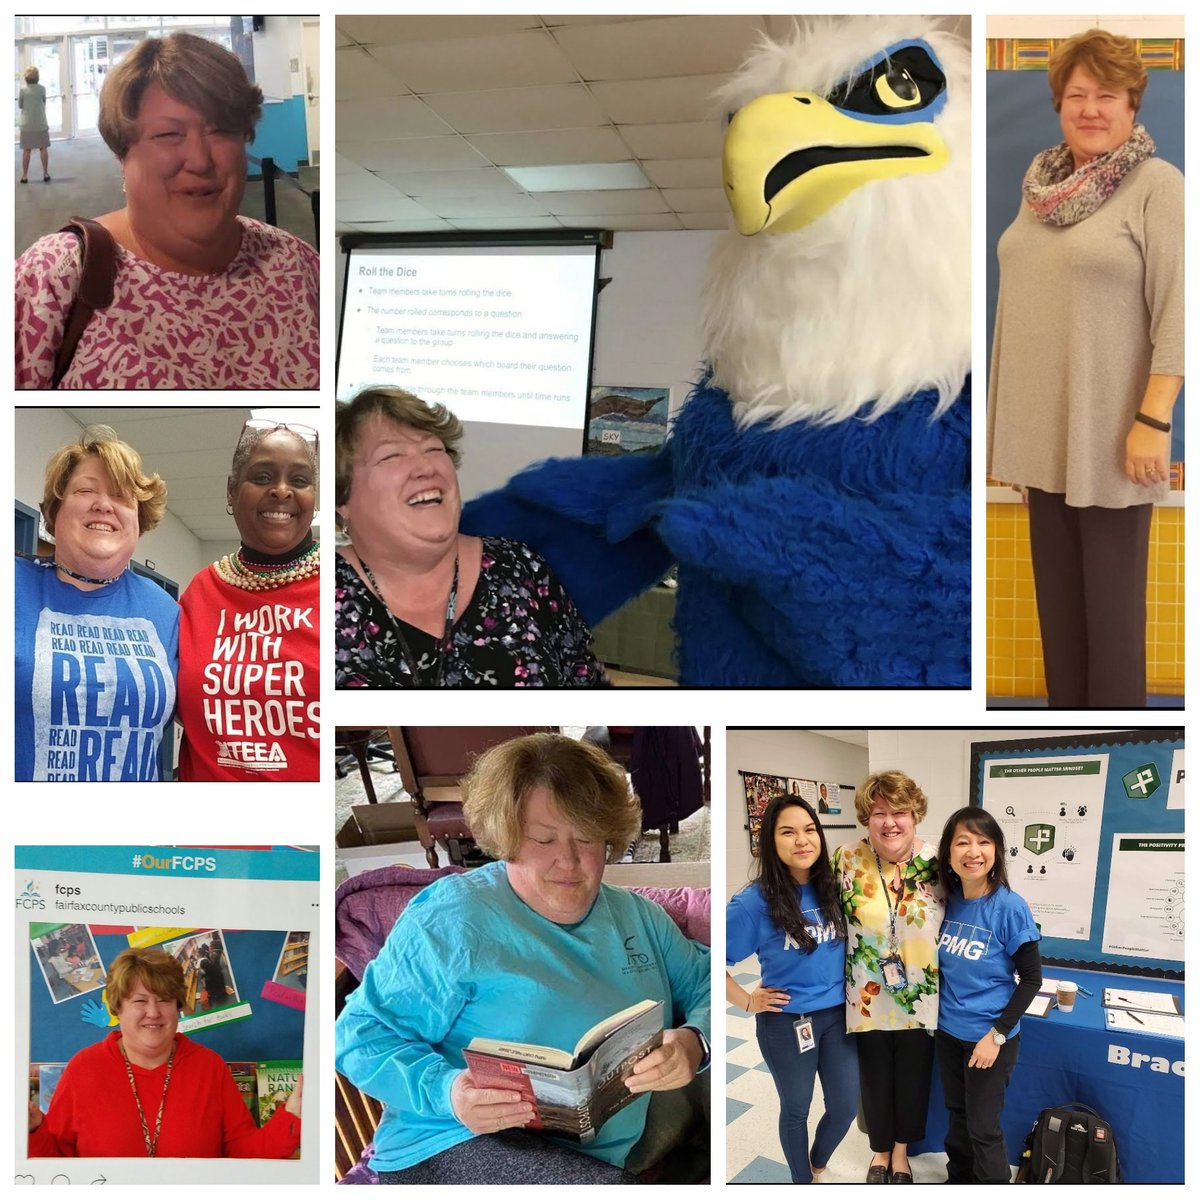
767 999
985 1052
487 1110
297 1096
35 1115
673 1065
1147 455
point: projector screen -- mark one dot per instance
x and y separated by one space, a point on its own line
500 334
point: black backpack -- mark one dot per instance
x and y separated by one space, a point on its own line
1070 1144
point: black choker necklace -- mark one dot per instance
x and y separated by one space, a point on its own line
85 578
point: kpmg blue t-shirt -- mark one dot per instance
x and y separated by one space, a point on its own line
95 677
975 959
813 981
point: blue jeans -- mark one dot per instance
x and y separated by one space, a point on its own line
835 1058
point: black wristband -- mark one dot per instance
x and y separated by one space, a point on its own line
1153 422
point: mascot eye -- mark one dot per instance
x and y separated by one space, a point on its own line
897 89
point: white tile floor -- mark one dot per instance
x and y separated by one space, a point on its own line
753 1153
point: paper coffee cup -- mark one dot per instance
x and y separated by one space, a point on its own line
1066 994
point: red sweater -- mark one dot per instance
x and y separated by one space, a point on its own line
93 1114
249 689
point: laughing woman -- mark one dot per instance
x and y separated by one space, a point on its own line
249 679
791 917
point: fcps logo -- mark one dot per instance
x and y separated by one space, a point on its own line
1039 838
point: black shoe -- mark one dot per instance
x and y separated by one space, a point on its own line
878 1174
45 178
902 1177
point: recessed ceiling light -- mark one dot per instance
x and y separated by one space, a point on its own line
579 177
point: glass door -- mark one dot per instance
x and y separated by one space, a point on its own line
89 57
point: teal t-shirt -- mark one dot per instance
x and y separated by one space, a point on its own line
468 958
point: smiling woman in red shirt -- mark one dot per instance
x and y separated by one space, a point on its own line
147 1091
249 680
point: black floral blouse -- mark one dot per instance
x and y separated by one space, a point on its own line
520 629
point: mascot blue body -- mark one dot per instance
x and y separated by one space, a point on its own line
814 489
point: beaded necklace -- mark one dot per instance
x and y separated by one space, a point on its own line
265 577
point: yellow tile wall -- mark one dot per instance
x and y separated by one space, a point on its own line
1014 648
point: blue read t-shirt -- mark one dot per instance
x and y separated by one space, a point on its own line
975 958
813 981
95 677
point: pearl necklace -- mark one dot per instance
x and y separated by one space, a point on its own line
253 577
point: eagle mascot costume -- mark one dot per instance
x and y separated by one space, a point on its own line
814 489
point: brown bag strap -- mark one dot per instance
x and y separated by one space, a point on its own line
95 287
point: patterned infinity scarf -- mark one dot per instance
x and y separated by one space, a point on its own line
1061 195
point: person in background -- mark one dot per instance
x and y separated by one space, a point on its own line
988 935
249 671
791 917
1087 362
202 297
894 903
35 129
97 645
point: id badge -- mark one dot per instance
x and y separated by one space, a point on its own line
804 1034
894 977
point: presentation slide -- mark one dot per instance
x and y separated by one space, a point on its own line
215 947
501 335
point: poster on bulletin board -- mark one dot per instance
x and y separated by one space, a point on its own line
1094 834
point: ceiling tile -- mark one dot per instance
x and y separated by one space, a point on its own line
429 224
630 221
650 101
551 147
453 207
364 186
475 182
662 46
413 154
697 200
641 200
684 172
478 63
378 208
388 117
681 139
360 77
580 177
502 223
713 220
391 30
591 19
340 39
344 166
508 110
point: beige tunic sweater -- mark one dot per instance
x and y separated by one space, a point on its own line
1086 313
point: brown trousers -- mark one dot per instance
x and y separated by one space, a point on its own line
1089 573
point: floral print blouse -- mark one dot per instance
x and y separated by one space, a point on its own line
919 912
520 629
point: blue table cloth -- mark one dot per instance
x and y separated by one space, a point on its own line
1071 1056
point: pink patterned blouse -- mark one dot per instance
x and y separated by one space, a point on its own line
255 325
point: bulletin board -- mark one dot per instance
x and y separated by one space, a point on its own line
255 1027
1094 832
833 802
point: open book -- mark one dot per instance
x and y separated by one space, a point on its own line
573 1091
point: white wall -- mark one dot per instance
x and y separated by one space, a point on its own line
648 317
939 760
790 752
175 551
274 49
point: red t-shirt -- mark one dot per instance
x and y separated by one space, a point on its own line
94 1115
249 691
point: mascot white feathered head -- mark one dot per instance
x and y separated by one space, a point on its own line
846 287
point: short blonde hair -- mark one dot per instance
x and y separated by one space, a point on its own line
397 405
588 787
1109 58
191 70
155 970
32 75
894 787
124 467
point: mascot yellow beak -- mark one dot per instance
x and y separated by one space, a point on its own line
790 158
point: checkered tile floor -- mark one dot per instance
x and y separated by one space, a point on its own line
753 1153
